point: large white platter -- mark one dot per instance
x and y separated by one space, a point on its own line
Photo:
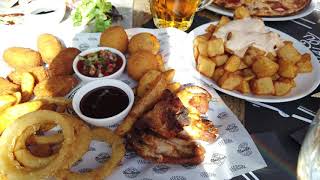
306 11
306 83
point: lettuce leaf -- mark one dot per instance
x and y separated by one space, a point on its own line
93 11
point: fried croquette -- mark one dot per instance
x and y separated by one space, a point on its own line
144 41
22 58
49 47
141 62
55 86
115 37
62 63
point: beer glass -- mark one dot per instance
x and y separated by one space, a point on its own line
175 13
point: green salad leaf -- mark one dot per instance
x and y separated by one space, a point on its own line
93 11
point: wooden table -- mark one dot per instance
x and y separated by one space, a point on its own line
141 15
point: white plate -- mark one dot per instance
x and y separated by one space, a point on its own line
306 83
306 11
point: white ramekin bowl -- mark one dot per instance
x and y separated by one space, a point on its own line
115 75
100 83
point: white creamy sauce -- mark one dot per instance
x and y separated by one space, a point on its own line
239 35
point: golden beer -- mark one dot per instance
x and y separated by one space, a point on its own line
173 13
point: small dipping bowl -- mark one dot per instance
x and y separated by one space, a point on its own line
115 75
109 121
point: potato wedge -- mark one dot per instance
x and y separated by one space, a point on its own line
169 74
39 73
232 64
263 86
147 81
7 101
174 87
6 87
264 67
160 62
145 103
27 86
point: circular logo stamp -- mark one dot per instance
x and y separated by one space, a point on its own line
160 169
223 115
131 172
232 128
244 149
189 166
84 46
178 178
218 159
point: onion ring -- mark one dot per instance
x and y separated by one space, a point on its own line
118 151
11 168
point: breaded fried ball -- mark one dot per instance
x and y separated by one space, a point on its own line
144 41
49 47
115 37
141 62
22 58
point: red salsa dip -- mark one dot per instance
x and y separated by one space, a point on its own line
99 64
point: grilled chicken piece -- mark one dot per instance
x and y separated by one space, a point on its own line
174 150
167 117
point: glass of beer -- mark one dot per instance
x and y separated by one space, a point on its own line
175 13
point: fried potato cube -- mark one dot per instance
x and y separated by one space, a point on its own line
249 60
230 81
241 13
223 21
289 52
174 87
218 73
248 74
244 87
271 56
203 48
304 65
264 67
282 87
199 39
287 69
255 51
288 80
232 64
275 77
263 86
206 66
215 47
220 60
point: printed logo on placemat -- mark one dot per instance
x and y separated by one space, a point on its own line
178 178
85 170
244 149
232 128
131 172
223 115
207 174
189 166
92 39
102 157
225 141
238 167
143 161
130 155
84 46
218 159
160 169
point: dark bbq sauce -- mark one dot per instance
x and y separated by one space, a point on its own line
104 102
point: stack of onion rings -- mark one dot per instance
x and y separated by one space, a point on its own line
17 161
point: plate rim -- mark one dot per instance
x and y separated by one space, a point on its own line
281 99
304 12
